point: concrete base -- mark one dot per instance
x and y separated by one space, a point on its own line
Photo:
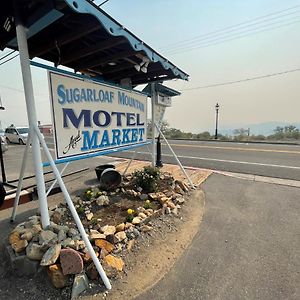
20 265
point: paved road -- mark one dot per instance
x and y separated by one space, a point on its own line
248 246
280 161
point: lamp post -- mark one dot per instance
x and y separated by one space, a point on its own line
217 116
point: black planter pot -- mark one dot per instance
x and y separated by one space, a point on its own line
101 168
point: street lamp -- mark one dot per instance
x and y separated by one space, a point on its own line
217 116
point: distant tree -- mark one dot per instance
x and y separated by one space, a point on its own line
203 136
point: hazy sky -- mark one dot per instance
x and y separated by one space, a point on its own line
189 34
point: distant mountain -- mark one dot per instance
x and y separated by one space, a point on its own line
261 128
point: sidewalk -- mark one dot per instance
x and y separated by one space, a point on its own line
247 247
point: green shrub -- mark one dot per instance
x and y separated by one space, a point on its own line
147 179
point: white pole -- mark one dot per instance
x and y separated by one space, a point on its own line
174 154
153 98
129 163
55 181
21 177
32 119
149 151
74 212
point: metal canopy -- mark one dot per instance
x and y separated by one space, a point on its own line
79 35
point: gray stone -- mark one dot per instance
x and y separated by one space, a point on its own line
56 228
80 284
102 200
143 197
34 220
47 236
72 232
61 236
51 255
68 243
35 251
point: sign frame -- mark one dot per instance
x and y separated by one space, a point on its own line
104 150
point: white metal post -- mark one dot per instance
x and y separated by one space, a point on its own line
74 212
32 120
21 177
55 181
153 98
174 154
129 163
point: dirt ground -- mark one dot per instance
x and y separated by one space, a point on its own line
152 256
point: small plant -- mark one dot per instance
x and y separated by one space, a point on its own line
94 221
147 204
130 215
147 179
80 210
88 194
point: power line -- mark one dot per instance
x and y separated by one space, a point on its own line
230 38
228 34
9 59
236 25
4 56
242 80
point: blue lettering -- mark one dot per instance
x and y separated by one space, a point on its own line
96 118
68 113
61 94
90 142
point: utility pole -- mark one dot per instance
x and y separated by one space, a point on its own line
217 117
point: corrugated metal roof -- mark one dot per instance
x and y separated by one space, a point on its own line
79 35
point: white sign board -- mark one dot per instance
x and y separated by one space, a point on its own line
164 100
90 117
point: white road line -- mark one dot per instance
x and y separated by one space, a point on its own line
228 161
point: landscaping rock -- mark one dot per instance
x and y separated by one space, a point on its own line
120 227
102 200
142 215
14 237
108 229
19 245
56 217
103 244
58 279
51 255
92 272
89 216
61 236
47 236
143 197
136 221
35 251
112 239
71 261
114 262
80 284
87 257
28 235
120 236
95 234
72 232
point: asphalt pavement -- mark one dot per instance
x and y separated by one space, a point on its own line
248 246
280 161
